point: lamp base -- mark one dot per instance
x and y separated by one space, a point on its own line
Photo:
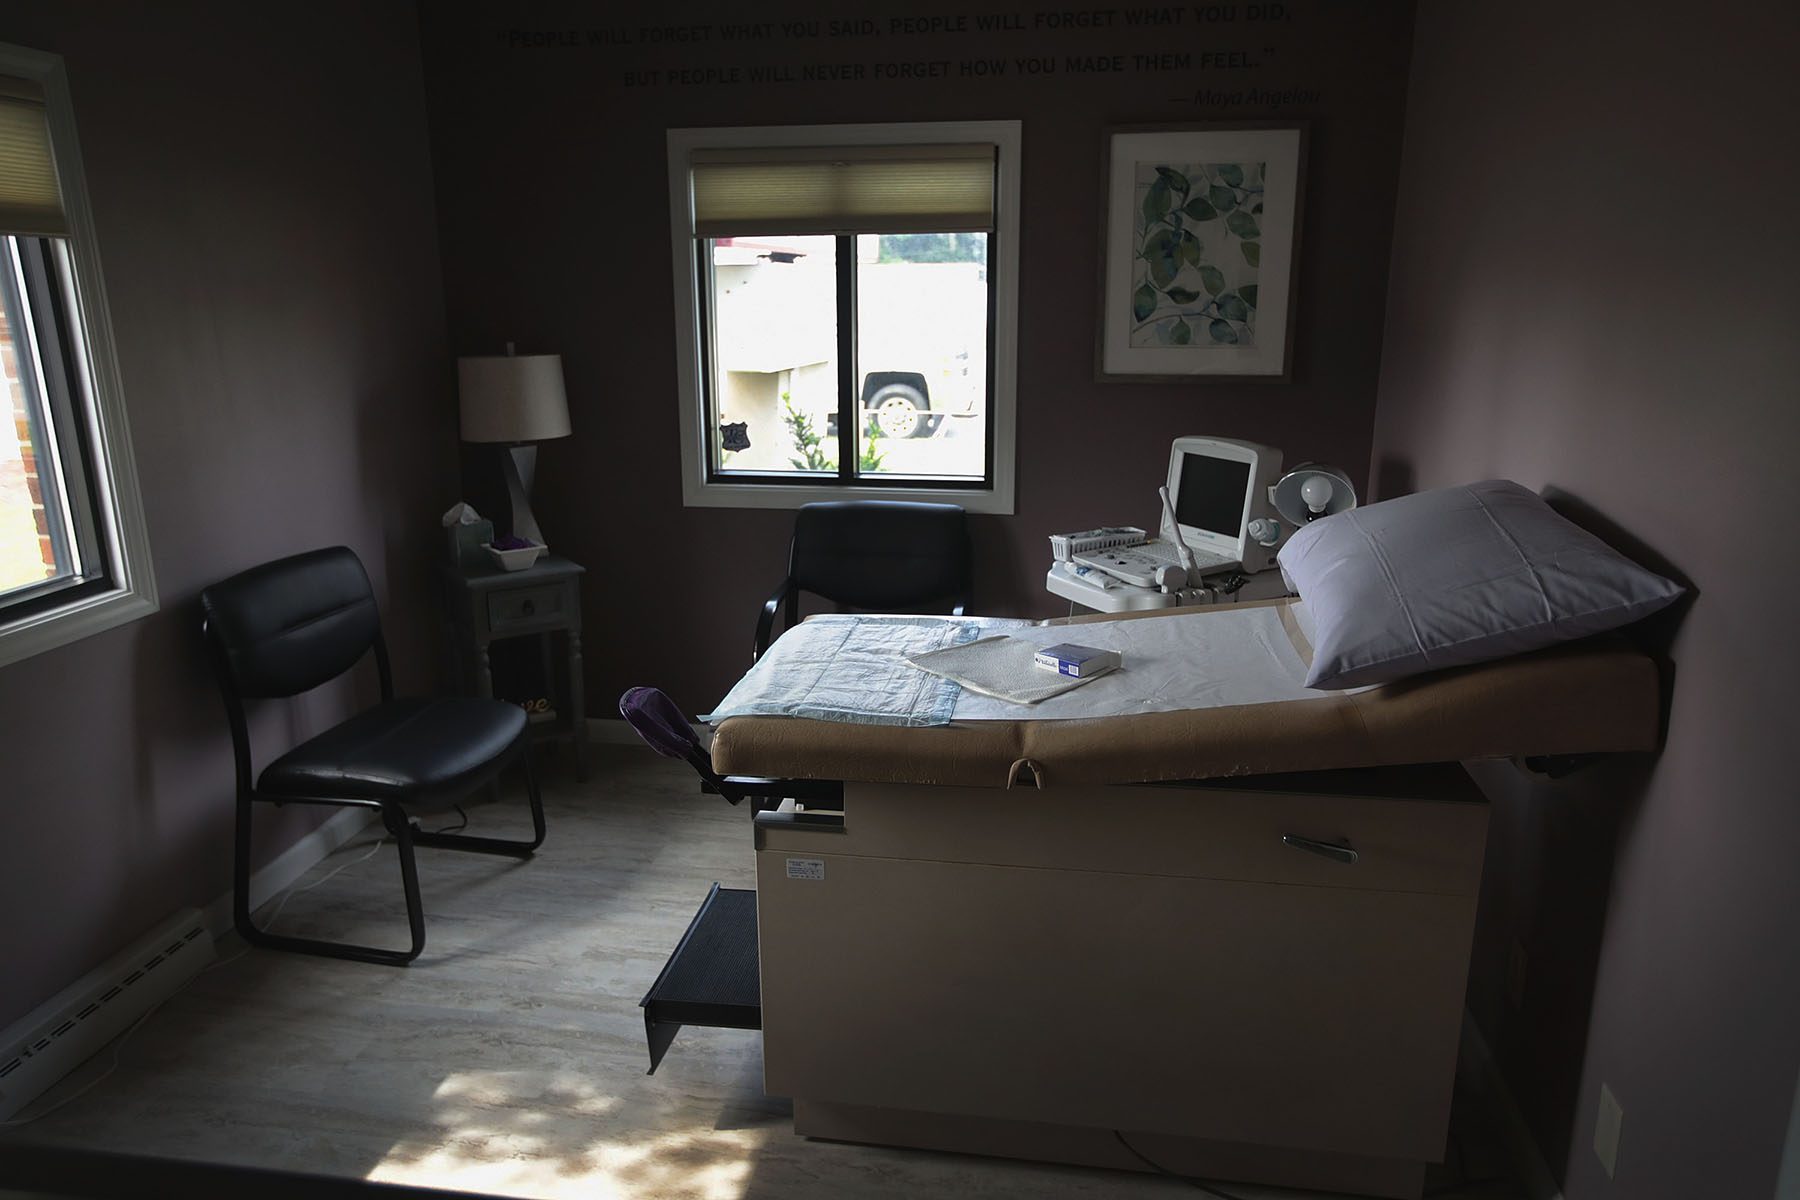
518 464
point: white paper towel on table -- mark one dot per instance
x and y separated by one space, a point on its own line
1002 667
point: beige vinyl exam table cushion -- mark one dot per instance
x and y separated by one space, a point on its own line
1594 696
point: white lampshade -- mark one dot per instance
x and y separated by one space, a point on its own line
512 398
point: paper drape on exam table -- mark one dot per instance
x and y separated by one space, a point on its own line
854 668
845 668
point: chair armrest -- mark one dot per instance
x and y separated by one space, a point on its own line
765 623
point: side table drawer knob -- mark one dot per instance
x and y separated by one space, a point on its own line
523 609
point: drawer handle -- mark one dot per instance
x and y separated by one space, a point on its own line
800 822
529 607
1336 852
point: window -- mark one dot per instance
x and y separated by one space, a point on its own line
73 559
846 305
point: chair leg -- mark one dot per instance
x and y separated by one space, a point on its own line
406 835
533 798
487 845
409 876
240 870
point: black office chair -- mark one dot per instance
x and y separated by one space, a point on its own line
886 555
288 626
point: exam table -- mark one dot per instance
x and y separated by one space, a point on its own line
1233 941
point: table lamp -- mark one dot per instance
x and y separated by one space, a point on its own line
515 400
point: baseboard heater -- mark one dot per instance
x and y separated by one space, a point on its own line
69 1028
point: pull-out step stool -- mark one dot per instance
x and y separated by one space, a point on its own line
712 977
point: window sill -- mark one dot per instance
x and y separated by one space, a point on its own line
760 495
24 637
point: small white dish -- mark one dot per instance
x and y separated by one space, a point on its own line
513 560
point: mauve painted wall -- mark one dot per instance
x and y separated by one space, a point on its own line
1594 290
554 216
262 200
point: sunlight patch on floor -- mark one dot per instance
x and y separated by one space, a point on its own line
525 1134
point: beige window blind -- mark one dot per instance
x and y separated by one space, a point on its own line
844 189
30 201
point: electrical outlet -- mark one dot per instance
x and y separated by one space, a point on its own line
1606 1130
1515 974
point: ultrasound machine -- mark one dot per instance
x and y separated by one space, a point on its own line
1217 533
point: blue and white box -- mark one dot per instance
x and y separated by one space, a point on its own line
1077 662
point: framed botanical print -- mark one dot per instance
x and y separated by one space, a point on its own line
1201 241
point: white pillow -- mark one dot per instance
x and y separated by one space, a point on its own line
1455 576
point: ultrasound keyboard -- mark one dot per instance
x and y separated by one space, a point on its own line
1139 564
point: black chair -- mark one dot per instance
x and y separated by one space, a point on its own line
288 626
886 555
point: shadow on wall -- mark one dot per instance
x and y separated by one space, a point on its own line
1009 570
408 538
171 681
182 770
1393 477
1655 634
1552 850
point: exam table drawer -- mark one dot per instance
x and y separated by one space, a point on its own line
1408 830
1242 1012
522 610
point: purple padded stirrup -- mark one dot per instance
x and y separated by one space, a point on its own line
656 719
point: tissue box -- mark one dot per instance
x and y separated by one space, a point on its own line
468 542
1077 662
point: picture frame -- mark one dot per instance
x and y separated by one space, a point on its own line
1200 246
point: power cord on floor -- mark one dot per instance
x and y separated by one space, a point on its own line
459 826
1461 1161
1204 1186
96 1081
291 891
1462 1183
374 849
333 874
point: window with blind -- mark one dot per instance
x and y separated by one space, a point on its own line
73 558
847 304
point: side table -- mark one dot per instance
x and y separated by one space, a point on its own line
488 604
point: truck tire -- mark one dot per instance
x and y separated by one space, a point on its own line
899 411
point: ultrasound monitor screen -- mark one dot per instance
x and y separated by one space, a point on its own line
1211 494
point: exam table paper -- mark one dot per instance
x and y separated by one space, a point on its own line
852 668
1210 658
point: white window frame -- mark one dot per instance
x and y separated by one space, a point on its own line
1003 278
123 541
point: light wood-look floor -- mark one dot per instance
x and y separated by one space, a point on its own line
510 1057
